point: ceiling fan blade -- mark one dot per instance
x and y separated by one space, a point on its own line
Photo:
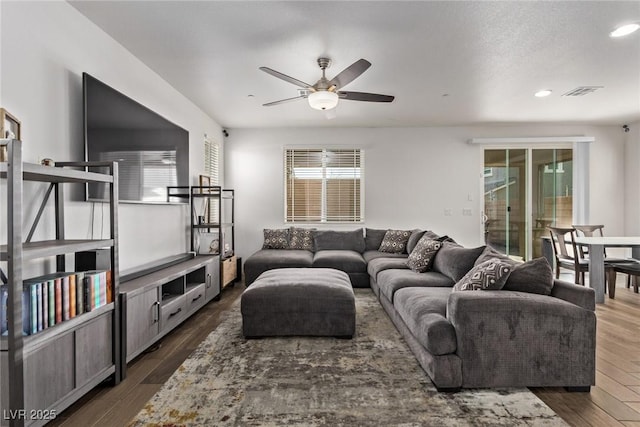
350 73
364 96
284 77
282 101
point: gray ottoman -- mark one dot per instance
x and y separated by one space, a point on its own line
299 301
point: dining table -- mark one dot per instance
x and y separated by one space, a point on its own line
597 246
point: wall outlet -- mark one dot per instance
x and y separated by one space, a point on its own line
448 212
466 212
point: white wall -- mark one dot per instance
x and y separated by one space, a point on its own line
411 176
45 48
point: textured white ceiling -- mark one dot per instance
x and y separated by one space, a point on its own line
447 63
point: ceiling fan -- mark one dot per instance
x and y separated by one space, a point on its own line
324 94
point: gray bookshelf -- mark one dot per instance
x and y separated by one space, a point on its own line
44 373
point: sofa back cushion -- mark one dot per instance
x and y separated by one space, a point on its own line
535 277
325 240
454 261
373 238
276 238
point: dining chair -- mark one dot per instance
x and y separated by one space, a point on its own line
566 253
631 269
590 230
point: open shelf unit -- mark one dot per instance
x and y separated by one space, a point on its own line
213 228
44 373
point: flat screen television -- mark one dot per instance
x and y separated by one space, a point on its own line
152 153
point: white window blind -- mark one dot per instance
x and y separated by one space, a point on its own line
212 170
324 185
212 161
144 175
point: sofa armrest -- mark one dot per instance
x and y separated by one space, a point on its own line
508 338
575 294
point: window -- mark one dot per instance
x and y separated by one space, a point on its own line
211 161
324 185
211 169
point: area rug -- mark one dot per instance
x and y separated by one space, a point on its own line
371 380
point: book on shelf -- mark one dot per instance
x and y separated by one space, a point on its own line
44 289
4 295
51 291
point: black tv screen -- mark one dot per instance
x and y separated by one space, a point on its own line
152 153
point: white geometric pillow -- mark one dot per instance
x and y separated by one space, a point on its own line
490 275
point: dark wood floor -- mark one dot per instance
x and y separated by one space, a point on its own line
614 401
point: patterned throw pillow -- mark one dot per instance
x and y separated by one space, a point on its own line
395 241
423 254
490 275
301 238
276 238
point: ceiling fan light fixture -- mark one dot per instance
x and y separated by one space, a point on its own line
323 100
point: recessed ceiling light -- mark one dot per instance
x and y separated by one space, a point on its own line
543 93
624 30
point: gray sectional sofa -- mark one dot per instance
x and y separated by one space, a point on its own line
534 331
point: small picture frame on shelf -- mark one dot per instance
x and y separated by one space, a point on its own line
205 181
9 129
208 243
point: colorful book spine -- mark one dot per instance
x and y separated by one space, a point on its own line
72 296
33 308
65 298
39 312
52 301
58 287
26 311
98 286
109 287
88 293
45 305
4 296
80 302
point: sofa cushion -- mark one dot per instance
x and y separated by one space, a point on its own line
389 281
490 275
343 260
535 276
377 265
324 240
395 241
489 252
371 255
268 259
422 256
454 261
301 238
373 238
424 310
276 238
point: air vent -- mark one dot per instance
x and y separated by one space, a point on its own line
582 90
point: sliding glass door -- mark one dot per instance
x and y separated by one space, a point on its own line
525 191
